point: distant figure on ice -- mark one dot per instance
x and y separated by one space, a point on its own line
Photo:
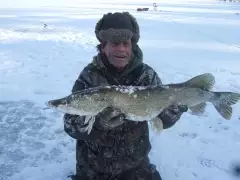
115 148
155 6
45 26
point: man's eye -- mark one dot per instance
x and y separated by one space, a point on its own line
126 44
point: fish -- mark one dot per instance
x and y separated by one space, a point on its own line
145 103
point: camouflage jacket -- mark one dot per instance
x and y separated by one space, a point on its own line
124 147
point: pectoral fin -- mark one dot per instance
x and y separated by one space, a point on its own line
156 125
91 122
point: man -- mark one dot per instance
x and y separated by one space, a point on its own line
116 149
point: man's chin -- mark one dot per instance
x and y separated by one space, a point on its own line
120 65
118 62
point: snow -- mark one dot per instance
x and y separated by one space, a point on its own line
180 40
130 90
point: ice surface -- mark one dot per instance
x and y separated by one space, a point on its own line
180 40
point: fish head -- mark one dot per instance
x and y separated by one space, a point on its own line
81 103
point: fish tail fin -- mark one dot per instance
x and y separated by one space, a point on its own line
204 81
156 125
223 101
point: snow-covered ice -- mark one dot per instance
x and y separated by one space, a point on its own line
180 40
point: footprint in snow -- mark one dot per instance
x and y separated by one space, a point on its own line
188 135
210 163
207 162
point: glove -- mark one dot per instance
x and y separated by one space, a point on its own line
110 118
171 115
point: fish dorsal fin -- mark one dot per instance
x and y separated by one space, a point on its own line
204 81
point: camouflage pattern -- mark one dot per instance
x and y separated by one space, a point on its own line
120 153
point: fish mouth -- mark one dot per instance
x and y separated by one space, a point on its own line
55 103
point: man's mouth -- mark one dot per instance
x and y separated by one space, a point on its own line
120 57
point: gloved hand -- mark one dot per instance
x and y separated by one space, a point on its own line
171 115
109 118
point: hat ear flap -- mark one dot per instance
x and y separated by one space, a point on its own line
136 33
98 27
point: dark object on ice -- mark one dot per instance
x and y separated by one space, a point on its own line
236 170
142 9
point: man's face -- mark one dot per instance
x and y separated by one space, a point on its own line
118 54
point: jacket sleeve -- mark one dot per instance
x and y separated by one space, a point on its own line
149 77
155 79
73 123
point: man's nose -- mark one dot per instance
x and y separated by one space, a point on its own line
120 47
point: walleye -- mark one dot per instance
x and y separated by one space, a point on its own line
145 103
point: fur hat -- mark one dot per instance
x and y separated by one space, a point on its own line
117 27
